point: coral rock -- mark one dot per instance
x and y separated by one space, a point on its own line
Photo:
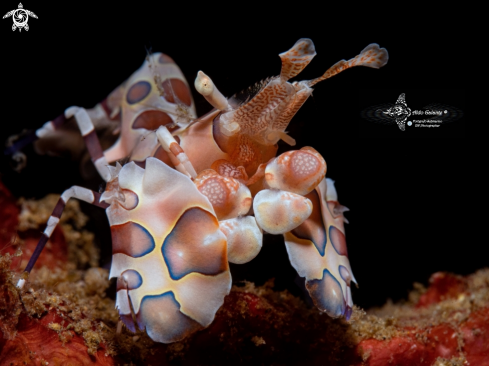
39 343
442 286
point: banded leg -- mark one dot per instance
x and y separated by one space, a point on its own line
18 142
80 193
103 114
89 135
175 152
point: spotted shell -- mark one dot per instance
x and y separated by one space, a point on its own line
154 95
169 254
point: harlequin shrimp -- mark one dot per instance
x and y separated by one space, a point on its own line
200 192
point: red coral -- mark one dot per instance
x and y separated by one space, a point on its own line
36 344
442 286
441 341
422 345
475 333
9 214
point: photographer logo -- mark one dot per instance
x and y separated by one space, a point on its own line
20 17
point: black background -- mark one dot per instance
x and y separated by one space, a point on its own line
408 196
